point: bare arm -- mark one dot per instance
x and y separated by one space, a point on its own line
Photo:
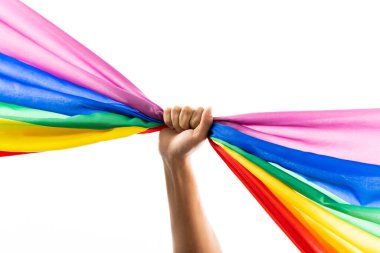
191 231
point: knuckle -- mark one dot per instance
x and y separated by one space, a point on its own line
187 109
177 108
167 112
200 109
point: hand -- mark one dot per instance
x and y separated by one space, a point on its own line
191 232
187 129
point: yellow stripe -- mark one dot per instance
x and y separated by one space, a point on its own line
329 237
314 229
342 235
18 136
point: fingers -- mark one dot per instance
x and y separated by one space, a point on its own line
183 118
168 117
196 118
175 118
205 123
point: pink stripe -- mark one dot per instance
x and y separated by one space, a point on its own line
29 37
347 134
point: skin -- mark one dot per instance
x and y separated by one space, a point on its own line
187 128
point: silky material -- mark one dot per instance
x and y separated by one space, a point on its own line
352 238
15 136
366 218
320 132
284 219
32 39
351 180
316 173
23 84
315 242
99 120
2 153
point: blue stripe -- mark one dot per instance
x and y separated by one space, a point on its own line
347 179
28 86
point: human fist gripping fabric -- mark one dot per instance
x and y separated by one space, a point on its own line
316 173
190 127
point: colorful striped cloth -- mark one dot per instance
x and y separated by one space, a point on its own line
316 173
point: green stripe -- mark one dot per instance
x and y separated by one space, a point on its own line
365 218
317 187
368 226
365 225
99 121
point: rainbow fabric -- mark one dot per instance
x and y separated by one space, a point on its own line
316 173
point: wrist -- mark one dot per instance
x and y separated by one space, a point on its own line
174 160
177 167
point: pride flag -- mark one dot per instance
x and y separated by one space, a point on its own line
316 173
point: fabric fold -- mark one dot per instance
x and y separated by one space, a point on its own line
316 173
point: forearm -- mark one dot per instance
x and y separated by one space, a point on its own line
190 229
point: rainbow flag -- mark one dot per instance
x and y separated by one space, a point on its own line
316 173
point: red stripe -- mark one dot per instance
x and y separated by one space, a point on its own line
291 226
153 129
4 153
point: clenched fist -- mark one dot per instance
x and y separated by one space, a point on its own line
187 127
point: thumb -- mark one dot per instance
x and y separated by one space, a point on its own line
201 131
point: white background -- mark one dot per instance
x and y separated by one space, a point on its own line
238 56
